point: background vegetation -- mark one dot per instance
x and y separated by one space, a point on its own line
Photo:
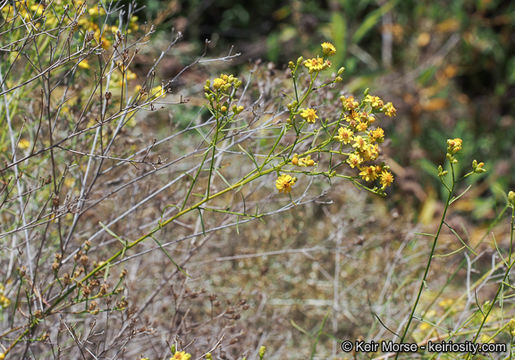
341 264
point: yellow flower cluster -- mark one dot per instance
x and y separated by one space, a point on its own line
223 83
303 161
454 145
58 14
316 64
4 300
363 139
354 129
220 93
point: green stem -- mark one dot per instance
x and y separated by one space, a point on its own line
426 271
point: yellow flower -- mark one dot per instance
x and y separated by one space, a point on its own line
306 161
445 303
328 48
370 152
454 145
374 101
354 160
284 183
4 301
218 83
316 64
131 75
369 173
24 144
345 135
84 64
349 103
359 143
386 178
389 109
180 355
310 115
361 126
376 135
94 11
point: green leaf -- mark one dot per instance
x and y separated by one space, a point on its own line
371 20
338 27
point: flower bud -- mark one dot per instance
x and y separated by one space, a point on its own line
511 198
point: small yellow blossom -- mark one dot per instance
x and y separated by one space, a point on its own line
23 144
284 183
310 115
316 64
354 160
370 152
181 355
345 135
375 102
84 64
389 109
361 126
425 326
328 49
454 145
349 103
218 83
376 135
359 143
131 75
4 301
94 11
445 303
306 161
386 178
369 173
